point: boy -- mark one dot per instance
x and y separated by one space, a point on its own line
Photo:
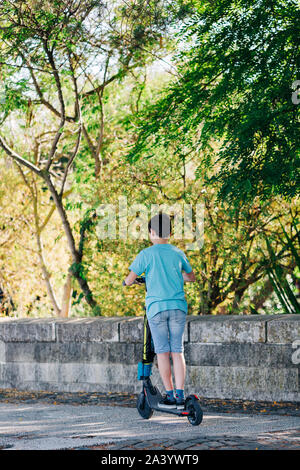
166 268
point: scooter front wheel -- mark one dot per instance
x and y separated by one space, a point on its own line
195 412
143 407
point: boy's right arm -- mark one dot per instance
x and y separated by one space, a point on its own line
187 272
189 277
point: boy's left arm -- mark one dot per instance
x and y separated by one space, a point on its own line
130 278
137 267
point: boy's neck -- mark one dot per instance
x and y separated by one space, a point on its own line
160 241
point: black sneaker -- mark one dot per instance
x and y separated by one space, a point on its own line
167 403
180 403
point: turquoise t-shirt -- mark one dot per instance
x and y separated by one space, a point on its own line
163 265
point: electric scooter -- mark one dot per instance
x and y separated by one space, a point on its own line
150 395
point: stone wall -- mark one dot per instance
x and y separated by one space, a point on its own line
240 357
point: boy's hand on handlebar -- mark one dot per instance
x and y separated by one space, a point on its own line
132 278
188 277
130 281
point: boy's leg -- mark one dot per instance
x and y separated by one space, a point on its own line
177 321
160 335
179 368
164 367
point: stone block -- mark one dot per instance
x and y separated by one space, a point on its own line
127 353
249 383
73 372
71 352
239 354
284 329
227 329
98 374
132 330
88 330
27 330
21 351
105 329
47 372
2 351
18 373
123 353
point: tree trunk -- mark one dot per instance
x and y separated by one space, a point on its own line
264 293
42 261
66 300
76 258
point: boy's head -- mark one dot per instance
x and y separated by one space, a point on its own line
159 227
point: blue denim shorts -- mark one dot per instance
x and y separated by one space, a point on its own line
167 330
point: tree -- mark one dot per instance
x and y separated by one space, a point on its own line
48 50
31 248
237 65
40 226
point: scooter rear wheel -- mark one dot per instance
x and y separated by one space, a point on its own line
143 407
195 412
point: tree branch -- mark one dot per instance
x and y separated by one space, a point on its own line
11 153
62 105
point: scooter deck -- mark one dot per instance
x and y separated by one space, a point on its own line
154 396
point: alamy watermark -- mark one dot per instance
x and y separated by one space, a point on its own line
296 354
123 221
2 94
296 92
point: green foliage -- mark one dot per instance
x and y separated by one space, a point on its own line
278 276
233 99
79 269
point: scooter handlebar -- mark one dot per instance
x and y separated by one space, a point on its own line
138 280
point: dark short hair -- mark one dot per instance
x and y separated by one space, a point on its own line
161 224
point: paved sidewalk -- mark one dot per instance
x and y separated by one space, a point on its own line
129 400
48 421
277 440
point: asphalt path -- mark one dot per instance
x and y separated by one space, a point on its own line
43 426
